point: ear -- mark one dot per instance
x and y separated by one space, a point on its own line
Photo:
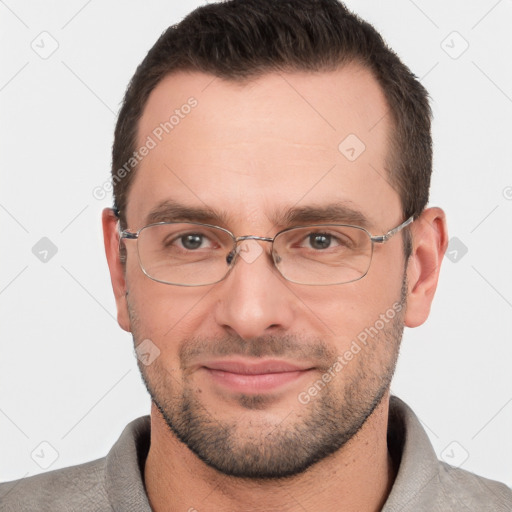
117 274
429 243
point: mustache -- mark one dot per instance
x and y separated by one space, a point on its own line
290 347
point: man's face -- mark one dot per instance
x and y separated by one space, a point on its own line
252 154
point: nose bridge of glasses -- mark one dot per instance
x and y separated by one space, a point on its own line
250 255
253 237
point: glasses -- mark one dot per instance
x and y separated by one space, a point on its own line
195 254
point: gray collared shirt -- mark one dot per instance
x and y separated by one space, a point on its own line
115 482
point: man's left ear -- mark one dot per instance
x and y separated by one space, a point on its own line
429 243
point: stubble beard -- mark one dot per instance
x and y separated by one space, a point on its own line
307 434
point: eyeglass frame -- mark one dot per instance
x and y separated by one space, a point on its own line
379 239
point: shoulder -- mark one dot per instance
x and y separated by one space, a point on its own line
115 481
461 488
74 488
423 483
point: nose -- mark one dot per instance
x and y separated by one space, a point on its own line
254 300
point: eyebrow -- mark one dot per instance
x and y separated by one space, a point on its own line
172 211
339 213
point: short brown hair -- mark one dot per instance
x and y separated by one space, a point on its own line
241 39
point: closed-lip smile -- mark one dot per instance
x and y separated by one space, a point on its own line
249 376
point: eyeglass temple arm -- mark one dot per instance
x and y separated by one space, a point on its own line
384 238
127 234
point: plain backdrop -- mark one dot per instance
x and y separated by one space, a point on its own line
68 378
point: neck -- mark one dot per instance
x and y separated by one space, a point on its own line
358 477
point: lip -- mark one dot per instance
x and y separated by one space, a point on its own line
255 377
255 367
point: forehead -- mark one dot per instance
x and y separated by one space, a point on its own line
251 150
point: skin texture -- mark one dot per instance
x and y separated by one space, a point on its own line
250 152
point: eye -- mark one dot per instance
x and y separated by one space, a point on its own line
191 241
320 240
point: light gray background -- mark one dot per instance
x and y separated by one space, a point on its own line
68 377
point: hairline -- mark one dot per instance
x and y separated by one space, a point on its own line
391 159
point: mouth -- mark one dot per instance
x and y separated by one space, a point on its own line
255 377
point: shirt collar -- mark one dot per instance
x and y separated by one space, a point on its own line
412 451
408 443
125 468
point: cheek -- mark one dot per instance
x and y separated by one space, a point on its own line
164 313
342 312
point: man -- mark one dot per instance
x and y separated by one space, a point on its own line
270 239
